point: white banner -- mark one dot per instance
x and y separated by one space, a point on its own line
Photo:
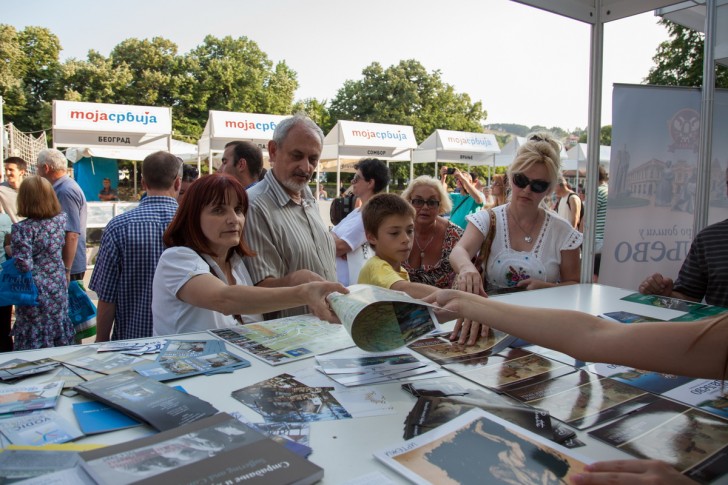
653 179
110 118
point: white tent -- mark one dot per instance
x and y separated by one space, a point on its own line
457 147
578 155
350 141
509 150
186 151
119 131
222 127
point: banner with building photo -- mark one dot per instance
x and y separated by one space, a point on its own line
653 180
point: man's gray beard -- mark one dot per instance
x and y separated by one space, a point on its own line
293 186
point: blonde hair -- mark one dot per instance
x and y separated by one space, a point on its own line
426 180
541 147
37 199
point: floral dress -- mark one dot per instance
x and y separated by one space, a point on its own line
36 246
440 274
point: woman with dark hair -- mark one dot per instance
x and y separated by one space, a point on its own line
201 281
36 244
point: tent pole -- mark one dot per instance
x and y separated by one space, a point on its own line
338 174
135 177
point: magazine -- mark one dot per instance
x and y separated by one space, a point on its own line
380 320
441 350
102 362
25 464
655 382
286 339
479 447
29 398
16 369
217 449
627 317
691 440
709 395
157 404
96 417
39 428
185 358
665 302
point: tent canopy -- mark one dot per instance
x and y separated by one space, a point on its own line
350 141
584 10
456 146
186 151
578 155
111 126
508 153
222 127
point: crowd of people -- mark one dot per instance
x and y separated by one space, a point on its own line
244 245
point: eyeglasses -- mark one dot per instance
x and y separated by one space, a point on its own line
537 186
423 202
356 178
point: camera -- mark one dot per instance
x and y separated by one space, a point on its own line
450 171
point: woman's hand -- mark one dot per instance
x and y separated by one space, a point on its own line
632 472
467 332
315 295
470 281
533 284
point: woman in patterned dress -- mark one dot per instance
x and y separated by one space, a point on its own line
434 237
36 245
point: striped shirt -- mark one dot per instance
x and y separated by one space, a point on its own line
286 236
704 274
124 270
602 195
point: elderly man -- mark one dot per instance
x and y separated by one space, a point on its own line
284 226
130 248
52 165
244 161
15 170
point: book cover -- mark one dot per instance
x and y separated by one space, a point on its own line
478 448
217 449
442 351
655 382
691 440
95 417
710 395
29 398
510 369
583 399
39 428
155 403
286 339
380 320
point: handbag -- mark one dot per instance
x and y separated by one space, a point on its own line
81 311
16 288
482 259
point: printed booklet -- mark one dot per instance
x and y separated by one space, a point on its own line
479 447
39 428
29 398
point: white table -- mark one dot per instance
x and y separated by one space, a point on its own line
344 447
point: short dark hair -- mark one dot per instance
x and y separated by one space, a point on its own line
22 164
382 206
189 173
603 175
373 168
160 170
252 154
186 227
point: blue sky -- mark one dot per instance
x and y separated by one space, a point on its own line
527 66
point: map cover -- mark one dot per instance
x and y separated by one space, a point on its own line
479 447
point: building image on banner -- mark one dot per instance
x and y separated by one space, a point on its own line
653 180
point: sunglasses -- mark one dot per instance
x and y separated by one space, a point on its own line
537 186
356 178
423 202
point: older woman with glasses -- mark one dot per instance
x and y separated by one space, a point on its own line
532 248
434 237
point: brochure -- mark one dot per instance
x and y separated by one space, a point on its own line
655 382
442 351
104 362
157 404
185 358
479 447
95 417
691 440
24 464
17 369
286 339
710 395
217 449
627 317
664 302
39 428
29 398
380 320
583 399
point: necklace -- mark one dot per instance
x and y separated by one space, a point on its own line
421 248
526 234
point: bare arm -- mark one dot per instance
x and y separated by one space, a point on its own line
342 247
69 249
671 347
574 204
105 313
207 291
468 277
476 194
660 285
415 290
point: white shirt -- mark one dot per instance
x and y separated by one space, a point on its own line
351 231
176 267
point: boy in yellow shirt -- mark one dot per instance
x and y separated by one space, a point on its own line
389 227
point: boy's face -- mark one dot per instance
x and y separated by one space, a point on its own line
393 241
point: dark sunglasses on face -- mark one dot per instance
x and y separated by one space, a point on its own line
422 202
537 186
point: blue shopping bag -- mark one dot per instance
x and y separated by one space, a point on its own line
81 311
16 288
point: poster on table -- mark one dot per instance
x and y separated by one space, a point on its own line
653 180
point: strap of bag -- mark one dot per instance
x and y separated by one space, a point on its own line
484 252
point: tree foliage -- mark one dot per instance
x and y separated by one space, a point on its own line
605 136
679 61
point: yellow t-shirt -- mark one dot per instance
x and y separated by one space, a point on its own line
378 272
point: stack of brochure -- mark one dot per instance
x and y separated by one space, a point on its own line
357 370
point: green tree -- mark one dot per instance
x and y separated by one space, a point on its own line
317 111
605 136
12 70
94 80
679 61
